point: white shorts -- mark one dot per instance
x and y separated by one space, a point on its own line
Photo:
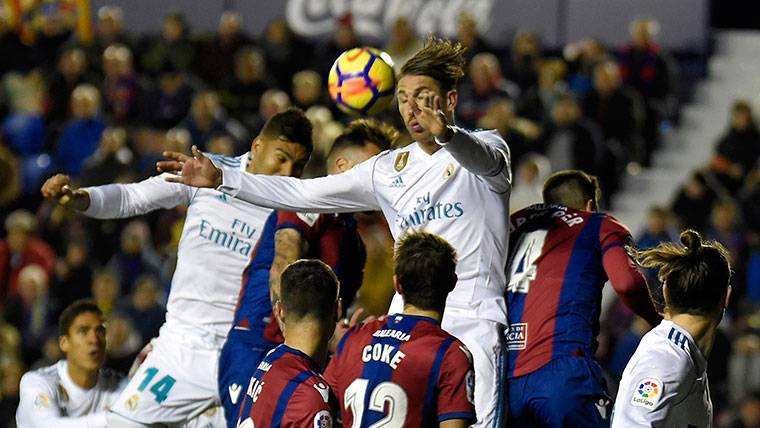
176 385
485 340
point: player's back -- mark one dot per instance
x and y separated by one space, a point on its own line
555 283
286 391
332 238
665 383
403 370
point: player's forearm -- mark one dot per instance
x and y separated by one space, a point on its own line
128 200
318 195
475 155
630 285
289 246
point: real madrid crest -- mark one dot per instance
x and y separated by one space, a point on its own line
132 402
401 160
449 171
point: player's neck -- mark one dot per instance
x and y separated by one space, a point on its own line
308 338
429 147
413 310
81 377
702 329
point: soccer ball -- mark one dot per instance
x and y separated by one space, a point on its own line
361 81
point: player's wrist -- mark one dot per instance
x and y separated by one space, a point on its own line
81 200
446 136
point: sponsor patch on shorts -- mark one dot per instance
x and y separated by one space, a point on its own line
517 336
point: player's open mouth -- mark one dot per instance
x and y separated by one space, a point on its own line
416 127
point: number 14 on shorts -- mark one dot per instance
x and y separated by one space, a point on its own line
160 388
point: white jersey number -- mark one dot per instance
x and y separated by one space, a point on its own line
522 268
385 393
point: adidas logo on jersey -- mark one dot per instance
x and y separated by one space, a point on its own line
398 182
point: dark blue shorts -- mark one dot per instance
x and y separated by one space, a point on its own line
240 356
567 392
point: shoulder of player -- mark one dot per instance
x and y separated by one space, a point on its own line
44 378
313 392
659 358
611 224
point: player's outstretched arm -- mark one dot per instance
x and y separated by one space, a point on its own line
350 191
488 159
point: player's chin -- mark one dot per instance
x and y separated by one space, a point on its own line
420 134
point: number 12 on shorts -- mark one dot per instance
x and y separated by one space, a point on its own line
160 388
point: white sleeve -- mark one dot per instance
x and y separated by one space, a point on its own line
350 191
655 382
38 408
128 200
484 154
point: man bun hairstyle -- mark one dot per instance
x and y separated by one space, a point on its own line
441 59
696 272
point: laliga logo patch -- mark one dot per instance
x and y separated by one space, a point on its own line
323 419
647 394
42 400
401 160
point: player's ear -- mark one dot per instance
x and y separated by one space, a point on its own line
63 343
397 285
590 205
279 313
666 296
339 309
257 146
342 164
452 97
728 296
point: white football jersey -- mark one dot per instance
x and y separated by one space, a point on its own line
460 192
49 398
217 240
665 383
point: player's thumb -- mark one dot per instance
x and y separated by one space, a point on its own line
66 195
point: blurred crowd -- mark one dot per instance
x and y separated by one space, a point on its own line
103 111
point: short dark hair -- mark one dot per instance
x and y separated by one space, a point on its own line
291 125
425 266
361 132
697 273
571 188
73 311
440 59
309 288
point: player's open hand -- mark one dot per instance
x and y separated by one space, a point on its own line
196 170
58 188
429 114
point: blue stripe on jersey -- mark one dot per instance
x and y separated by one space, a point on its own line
572 295
274 355
430 409
612 245
456 415
377 372
342 341
678 338
287 393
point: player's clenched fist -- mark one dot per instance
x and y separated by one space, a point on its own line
58 188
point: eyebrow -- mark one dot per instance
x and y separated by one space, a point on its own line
416 91
286 154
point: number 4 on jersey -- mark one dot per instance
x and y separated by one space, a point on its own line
522 266
161 388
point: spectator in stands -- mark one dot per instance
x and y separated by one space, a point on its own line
9 180
207 118
658 228
70 73
523 60
73 274
242 91
625 346
618 113
284 52
30 310
569 141
143 307
582 58
122 90
136 256
10 378
273 101
469 36
484 85
646 68
105 290
521 133
24 129
172 46
748 415
694 202
537 102
402 42
222 144
123 342
20 249
216 57
170 101
80 137
738 150
530 175
51 351
109 30
343 38
726 229
112 162
307 90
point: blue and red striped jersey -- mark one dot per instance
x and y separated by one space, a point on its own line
401 371
287 391
332 238
559 263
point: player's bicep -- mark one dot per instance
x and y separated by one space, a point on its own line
289 246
